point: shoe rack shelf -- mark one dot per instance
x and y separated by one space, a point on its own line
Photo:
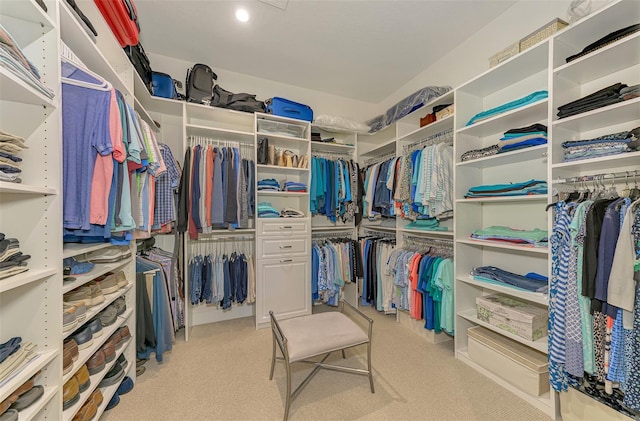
99 270
97 342
31 412
95 380
25 278
78 249
93 311
43 359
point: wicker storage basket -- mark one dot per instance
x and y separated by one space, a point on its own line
542 33
505 54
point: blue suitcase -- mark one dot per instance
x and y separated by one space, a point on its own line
164 86
284 108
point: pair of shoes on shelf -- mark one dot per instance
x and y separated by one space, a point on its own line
107 255
90 407
23 397
89 295
125 387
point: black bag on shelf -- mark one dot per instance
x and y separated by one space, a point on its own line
263 150
200 81
239 102
141 63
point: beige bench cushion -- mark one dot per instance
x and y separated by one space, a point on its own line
320 333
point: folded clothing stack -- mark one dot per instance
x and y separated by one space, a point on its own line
12 260
426 224
10 147
315 136
291 213
294 186
521 102
265 210
606 40
523 137
13 59
531 187
532 281
480 153
602 98
611 144
268 184
14 355
535 237
630 92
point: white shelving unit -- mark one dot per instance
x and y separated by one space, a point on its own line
283 245
515 78
616 62
30 302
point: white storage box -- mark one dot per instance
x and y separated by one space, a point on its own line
525 368
281 129
527 320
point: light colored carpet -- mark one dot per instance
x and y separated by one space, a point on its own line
222 374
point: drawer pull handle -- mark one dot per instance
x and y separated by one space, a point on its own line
285 247
286 260
286 227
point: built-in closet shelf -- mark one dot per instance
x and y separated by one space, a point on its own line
15 89
507 158
613 16
427 233
25 278
30 412
383 149
428 130
601 163
70 412
543 402
109 391
98 270
28 11
279 168
219 134
98 342
239 231
93 311
18 188
521 66
519 117
620 112
282 137
330 229
534 297
378 228
331 147
282 218
137 106
219 117
75 37
528 198
605 61
41 361
504 246
155 104
281 193
471 315
77 249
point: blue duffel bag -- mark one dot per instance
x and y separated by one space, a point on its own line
285 108
164 86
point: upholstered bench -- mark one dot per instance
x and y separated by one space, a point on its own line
306 337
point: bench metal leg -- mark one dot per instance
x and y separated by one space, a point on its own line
369 366
273 358
289 397
344 356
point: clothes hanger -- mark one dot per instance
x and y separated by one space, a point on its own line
634 194
105 86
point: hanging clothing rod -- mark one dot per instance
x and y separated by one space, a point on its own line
226 238
379 158
442 137
427 240
325 234
340 155
600 177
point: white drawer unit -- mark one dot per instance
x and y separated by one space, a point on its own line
284 287
270 247
283 226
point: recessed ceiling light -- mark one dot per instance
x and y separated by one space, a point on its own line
242 15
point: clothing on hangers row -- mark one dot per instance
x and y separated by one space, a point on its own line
334 189
334 262
216 189
594 302
378 289
110 161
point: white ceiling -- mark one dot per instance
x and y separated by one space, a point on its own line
358 49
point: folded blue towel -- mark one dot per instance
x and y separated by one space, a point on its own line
529 99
